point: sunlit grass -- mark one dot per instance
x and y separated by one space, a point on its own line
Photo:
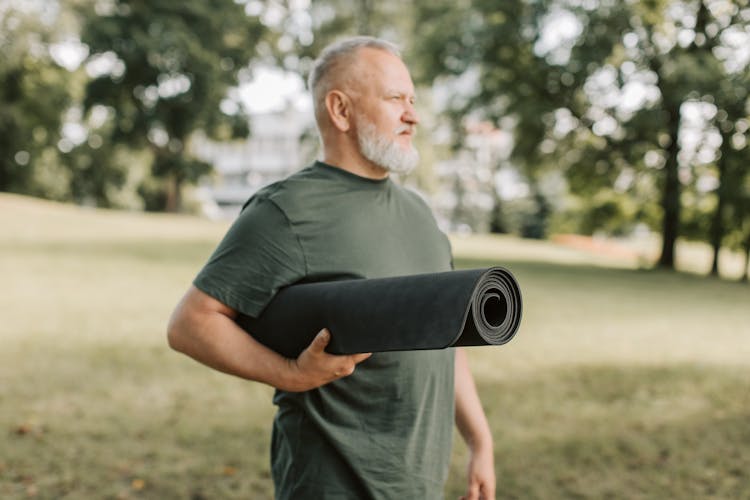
622 383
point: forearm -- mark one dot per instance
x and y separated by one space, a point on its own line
212 337
204 329
470 418
472 424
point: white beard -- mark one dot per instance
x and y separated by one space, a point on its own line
384 153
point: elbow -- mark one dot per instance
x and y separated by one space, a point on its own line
175 336
189 326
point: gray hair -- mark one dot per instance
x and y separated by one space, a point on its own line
332 59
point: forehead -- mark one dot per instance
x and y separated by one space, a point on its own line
380 71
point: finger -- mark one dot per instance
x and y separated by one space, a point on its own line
358 358
320 341
473 493
487 493
344 371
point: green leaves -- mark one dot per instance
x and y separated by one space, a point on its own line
179 62
33 95
621 70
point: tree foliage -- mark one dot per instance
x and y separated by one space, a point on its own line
599 91
166 71
33 95
572 99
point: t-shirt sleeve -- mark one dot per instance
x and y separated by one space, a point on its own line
259 255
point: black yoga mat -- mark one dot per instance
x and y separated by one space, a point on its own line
424 311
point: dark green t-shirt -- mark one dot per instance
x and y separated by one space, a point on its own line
386 430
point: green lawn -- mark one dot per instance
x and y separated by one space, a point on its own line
621 383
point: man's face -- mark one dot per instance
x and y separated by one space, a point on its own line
384 116
383 151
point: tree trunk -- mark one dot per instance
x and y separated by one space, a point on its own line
4 177
745 270
671 194
173 187
497 224
716 233
715 249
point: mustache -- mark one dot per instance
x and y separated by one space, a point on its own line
406 128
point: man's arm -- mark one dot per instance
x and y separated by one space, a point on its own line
204 329
473 426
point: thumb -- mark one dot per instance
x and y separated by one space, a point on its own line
321 340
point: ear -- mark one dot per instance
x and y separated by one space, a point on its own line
339 108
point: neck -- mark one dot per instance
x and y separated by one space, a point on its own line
346 156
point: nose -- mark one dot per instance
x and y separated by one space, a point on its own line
410 115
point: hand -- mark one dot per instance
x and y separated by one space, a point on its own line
481 476
314 367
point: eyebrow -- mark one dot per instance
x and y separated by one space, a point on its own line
400 93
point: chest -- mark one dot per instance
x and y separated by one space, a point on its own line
374 242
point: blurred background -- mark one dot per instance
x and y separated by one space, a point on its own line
620 119
594 147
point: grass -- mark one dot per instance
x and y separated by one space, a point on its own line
622 383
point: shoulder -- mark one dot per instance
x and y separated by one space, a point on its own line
308 182
285 188
414 198
309 191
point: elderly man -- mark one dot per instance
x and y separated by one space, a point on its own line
348 426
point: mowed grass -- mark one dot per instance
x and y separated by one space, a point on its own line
621 383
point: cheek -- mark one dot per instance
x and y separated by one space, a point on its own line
391 117
386 117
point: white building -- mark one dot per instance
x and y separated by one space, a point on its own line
280 143
469 182
283 142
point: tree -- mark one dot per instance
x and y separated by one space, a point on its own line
566 73
693 73
164 71
733 158
34 92
735 223
538 87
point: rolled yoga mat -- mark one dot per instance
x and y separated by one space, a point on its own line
424 311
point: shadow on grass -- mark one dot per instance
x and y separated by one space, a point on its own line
650 432
88 418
